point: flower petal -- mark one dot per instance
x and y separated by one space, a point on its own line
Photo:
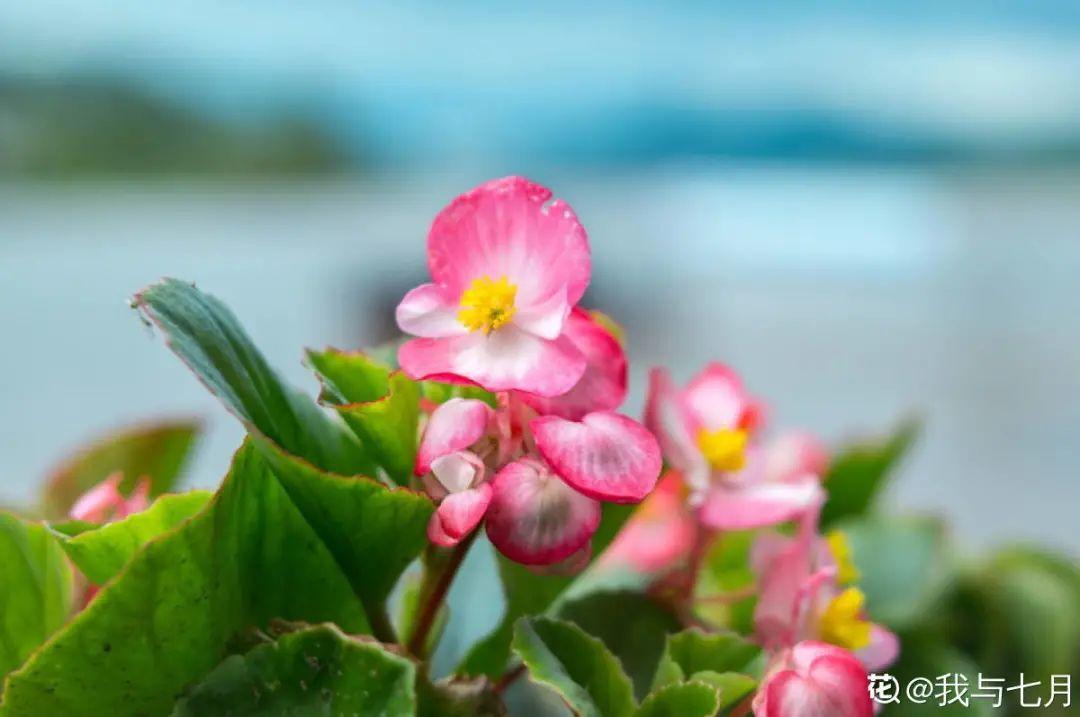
666 416
545 318
795 454
425 311
458 471
460 512
507 359
715 399
603 385
437 535
606 455
505 228
453 426
734 506
659 534
535 518
882 651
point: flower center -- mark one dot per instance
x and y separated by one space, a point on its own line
724 449
842 622
486 305
846 570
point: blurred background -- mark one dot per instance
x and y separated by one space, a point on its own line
872 210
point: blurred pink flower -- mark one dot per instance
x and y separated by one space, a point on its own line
105 503
802 596
660 534
508 266
814 679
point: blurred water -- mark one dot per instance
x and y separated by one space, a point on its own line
847 297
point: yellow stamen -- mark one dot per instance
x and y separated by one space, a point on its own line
846 571
725 450
842 622
486 305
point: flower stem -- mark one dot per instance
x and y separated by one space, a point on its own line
507 679
743 708
434 598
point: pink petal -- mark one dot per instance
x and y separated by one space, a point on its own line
882 651
606 455
100 502
425 311
793 455
658 535
536 519
545 318
460 512
136 502
815 680
715 398
603 385
505 228
731 506
666 416
507 359
437 535
453 426
457 472
780 587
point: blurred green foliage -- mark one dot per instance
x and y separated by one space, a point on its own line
86 127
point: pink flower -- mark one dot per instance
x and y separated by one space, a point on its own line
659 535
507 267
777 484
603 386
814 679
104 503
804 595
548 474
704 430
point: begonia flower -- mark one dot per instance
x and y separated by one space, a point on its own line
659 534
814 679
507 267
706 428
803 596
778 483
105 503
603 385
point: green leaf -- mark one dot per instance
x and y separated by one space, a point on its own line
102 551
528 593
858 473
35 589
168 617
693 651
207 337
372 532
576 666
438 392
726 577
317 670
381 406
158 451
630 624
731 687
904 565
690 699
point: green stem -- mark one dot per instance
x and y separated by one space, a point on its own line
434 598
382 629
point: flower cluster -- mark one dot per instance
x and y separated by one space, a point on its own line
509 268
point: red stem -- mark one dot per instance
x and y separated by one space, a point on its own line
430 610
